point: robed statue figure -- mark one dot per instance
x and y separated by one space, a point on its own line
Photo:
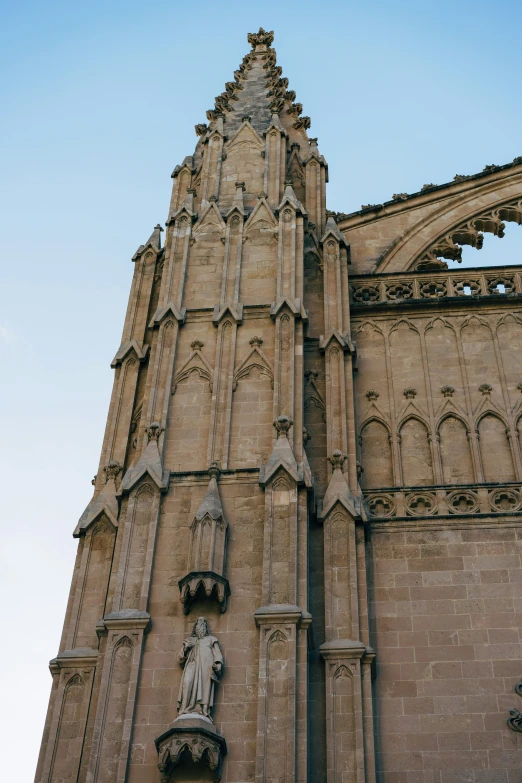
203 665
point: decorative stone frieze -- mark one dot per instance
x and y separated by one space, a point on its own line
441 285
443 501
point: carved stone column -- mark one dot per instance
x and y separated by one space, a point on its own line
73 672
282 623
345 652
123 634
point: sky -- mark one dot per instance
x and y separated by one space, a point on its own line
99 102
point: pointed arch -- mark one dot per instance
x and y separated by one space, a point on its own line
455 450
140 506
415 448
71 725
509 336
343 671
407 363
376 454
252 404
495 450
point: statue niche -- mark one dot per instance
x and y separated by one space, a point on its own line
202 660
207 551
193 735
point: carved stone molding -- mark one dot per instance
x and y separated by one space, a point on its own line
207 551
198 736
444 501
441 284
471 232
210 582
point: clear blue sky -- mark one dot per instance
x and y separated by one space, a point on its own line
99 104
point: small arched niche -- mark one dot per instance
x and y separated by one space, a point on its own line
497 461
376 457
457 465
417 465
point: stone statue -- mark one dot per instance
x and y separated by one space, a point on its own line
203 666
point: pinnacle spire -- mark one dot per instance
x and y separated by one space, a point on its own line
258 91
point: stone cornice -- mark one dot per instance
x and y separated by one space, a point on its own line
282 613
342 648
374 212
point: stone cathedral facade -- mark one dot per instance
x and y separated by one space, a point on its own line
301 562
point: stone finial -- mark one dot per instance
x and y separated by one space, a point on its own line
485 388
112 470
256 341
154 431
246 118
201 128
447 391
213 470
261 38
372 395
240 186
306 436
262 194
410 393
282 425
337 459
197 345
311 374
400 196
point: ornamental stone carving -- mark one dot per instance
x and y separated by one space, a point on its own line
193 731
207 552
261 38
202 663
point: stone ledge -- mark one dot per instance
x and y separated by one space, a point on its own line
126 618
342 648
79 657
282 613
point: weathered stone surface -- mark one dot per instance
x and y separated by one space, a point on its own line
314 435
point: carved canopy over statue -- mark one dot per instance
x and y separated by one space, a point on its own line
203 665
